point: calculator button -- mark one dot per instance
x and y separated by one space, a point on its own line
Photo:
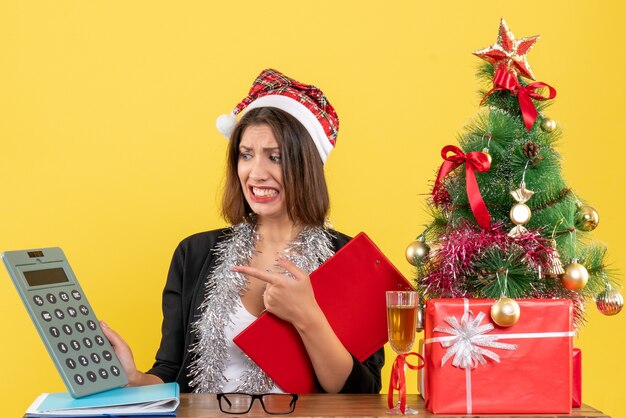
67 329
75 345
95 358
115 371
38 300
59 313
107 355
51 298
71 312
103 373
83 361
46 316
76 295
64 297
91 325
99 339
62 347
80 327
83 309
79 379
91 376
70 363
87 342
54 331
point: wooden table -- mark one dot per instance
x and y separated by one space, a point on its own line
327 405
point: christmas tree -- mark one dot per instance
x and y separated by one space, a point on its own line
505 225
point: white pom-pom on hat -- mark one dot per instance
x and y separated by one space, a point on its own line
226 124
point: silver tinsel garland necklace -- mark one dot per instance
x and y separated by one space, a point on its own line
308 251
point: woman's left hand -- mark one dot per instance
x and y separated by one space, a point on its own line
290 297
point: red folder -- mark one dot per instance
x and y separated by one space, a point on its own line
350 289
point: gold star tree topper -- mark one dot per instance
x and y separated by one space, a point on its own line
509 53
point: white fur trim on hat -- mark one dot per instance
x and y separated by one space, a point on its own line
302 114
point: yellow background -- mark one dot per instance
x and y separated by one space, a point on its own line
108 146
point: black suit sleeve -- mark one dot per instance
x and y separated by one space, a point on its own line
169 357
365 377
183 292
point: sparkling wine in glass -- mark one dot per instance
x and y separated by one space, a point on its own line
401 323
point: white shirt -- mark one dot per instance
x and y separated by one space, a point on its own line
237 361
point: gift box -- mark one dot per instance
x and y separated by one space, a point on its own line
421 372
577 391
576 376
474 366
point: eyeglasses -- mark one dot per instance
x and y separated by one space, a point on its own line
272 403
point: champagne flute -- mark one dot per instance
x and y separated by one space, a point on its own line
401 323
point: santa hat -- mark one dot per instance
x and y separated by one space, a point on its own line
304 102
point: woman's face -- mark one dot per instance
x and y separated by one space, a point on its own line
260 172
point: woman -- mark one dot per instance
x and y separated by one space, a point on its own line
219 281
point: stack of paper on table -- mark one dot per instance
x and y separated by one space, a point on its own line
153 400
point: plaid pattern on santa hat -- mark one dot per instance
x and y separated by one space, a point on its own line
305 102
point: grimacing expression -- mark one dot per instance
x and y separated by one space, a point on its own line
259 168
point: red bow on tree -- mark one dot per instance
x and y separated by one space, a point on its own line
506 80
474 161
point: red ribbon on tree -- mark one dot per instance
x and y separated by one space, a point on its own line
474 161
507 80
398 379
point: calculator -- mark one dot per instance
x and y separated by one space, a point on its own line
65 320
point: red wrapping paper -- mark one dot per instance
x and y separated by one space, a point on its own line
536 377
577 391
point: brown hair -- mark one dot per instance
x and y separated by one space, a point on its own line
306 192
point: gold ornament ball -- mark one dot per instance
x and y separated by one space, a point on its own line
505 312
575 276
610 302
548 125
520 214
587 218
419 322
486 152
416 251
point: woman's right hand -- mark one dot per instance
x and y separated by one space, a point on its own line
125 356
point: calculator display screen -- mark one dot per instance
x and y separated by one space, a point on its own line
47 276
